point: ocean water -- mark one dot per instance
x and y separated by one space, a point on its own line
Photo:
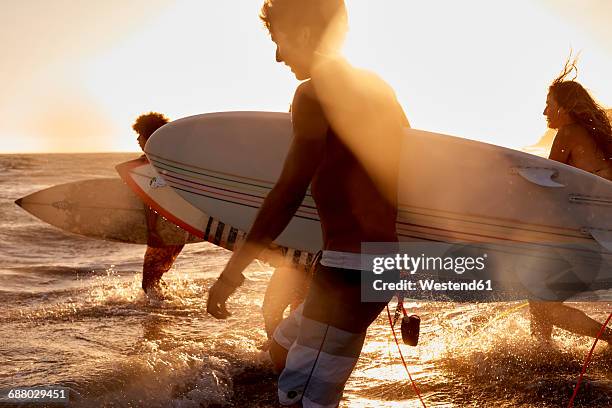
72 314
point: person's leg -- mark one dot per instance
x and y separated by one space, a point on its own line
541 327
277 297
287 287
574 320
283 338
332 329
157 261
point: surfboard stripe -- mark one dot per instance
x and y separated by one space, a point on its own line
535 247
471 233
212 182
231 239
171 170
208 227
590 200
440 237
409 209
443 237
261 198
70 205
485 226
236 178
208 172
457 232
439 214
174 183
466 239
235 202
452 235
466 219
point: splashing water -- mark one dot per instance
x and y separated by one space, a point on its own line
74 315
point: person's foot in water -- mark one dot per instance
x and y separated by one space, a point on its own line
156 290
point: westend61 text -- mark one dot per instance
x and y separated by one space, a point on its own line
430 284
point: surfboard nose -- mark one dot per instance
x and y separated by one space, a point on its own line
18 201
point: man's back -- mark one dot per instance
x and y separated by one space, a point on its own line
355 184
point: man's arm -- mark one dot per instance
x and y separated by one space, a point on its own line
309 131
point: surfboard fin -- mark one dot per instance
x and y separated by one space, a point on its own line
538 175
603 237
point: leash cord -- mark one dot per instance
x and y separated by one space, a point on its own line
587 360
414 386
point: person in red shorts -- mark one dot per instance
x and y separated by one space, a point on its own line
159 257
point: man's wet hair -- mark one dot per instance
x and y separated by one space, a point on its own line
318 15
148 123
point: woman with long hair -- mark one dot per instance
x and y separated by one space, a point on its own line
583 140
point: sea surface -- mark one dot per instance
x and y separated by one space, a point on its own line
72 314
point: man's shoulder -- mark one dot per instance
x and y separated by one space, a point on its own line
375 84
305 100
305 90
307 115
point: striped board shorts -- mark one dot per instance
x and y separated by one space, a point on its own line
324 337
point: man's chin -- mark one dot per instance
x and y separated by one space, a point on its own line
300 76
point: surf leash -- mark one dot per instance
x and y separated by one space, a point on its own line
587 360
400 306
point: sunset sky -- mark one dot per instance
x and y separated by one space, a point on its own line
75 73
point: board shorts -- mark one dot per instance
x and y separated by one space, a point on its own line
324 337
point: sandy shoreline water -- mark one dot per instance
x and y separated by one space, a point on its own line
73 315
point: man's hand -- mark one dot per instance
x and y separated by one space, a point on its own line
218 294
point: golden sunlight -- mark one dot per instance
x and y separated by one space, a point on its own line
473 69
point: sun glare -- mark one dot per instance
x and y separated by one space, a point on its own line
476 69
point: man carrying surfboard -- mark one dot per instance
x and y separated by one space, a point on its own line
159 257
347 132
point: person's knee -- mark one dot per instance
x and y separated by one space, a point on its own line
278 355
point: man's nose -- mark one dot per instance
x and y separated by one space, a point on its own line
278 56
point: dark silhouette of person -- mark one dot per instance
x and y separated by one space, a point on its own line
159 257
347 136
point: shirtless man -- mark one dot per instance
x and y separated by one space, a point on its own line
347 133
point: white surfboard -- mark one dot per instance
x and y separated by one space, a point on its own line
152 189
103 208
451 189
